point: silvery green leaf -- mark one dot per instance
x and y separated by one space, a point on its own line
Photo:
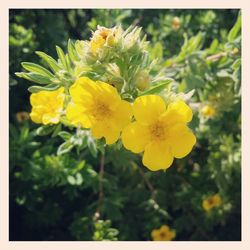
157 88
64 148
34 77
50 87
35 68
72 51
49 60
62 58
45 130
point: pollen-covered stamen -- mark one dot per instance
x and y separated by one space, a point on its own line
210 201
157 131
104 34
101 111
162 234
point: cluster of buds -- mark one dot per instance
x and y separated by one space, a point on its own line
117 56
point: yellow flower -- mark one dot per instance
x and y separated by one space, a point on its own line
22 116
102 36
208 111
211 202
47 106
97 105
164 233
160 131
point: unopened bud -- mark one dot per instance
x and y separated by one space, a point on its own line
176 23
235 51
142 80
22 116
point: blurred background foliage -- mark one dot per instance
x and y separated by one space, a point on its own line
55 195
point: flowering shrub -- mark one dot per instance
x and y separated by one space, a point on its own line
132 133
120 58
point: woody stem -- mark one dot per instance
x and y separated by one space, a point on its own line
148 184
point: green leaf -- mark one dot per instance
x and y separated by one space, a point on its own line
49 60
65 148
61 56
57 130
235 30
188 95
72 52
50 87
71 180
34 77
156 89
236 64
65 135
12 81
32 67
157 51
194 81
92 146
13 131
79 179
45 130
214 46
190 45
68 62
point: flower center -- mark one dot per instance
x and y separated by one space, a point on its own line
210 201
101 110
157 131
162 234
104 34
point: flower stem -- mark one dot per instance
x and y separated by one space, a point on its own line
101 191
148 184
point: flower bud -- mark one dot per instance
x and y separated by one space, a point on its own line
22 116
235 51
176 23
142 80
102 37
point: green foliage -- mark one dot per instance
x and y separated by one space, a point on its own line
103 231
56 186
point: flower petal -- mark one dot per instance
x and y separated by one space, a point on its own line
172 234
206 205
36 117
47 106
51 118
148 108
180 110
108 89
123 114
106 130
155 233
83 91
135 137
157 156
75 114
181 140
165 228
